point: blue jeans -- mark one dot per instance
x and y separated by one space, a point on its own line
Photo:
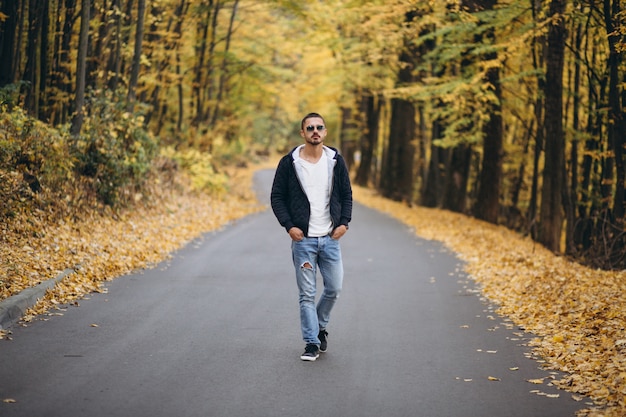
309 254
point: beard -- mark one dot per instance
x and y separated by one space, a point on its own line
315 140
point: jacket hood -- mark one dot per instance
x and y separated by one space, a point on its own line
330 152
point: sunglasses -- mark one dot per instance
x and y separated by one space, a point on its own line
311 128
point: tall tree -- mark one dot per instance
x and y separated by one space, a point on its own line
570 209
32 73
81 68
44 64
205 8
224 67
61 72
456 178
169 41
538 51
435 177
488 199
8 32
551 215
397 176
134 72
114 62
616 128
370 107
350 127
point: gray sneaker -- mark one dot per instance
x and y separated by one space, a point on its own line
311 352
322 336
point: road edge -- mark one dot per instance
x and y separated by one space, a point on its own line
12 309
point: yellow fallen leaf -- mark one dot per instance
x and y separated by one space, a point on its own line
94 325
536 381
493 378
543 294
9 401
514 369
553 395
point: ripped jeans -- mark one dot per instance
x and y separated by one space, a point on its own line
309 254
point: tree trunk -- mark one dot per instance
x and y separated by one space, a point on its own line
81 68
349 127
224 67
488 200
96 50
369 139
210 84
180 95
32 72
538 57
134 73
8 42
44 65
114 62
591 194
551 214
397 176
162 105
200 76
435 178
55 105
64 66
570 234
616 126
22 29
457 171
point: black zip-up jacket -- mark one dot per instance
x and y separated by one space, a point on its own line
290 203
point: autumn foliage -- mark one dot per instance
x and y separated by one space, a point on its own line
123 118
577 313
76 202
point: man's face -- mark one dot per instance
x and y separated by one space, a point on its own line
314 131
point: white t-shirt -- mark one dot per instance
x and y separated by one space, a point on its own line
315 181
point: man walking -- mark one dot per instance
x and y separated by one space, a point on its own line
312 199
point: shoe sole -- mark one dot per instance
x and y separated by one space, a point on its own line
309 358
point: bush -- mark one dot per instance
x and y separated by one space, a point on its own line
40 154
9 94
199 167
114 148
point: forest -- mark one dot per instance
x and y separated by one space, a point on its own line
511 112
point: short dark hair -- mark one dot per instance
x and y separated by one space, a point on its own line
310 116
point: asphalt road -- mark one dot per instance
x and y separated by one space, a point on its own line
215 332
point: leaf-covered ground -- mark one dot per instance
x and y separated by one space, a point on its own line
103 245
578 314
